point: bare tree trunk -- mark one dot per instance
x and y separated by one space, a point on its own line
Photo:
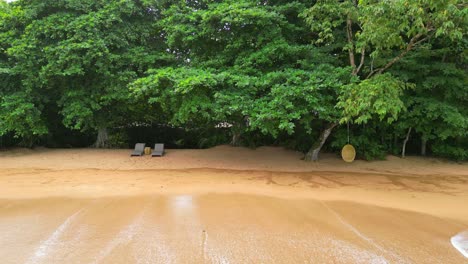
349 34
423 146
236 131
313 153
235 141
404 143
27 142
102 138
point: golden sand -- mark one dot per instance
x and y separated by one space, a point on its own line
227 205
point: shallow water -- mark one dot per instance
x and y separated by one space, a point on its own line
219 228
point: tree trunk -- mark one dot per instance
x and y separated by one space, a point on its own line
423 146
27 142
404 143
236 131
102 138
235 141
314 151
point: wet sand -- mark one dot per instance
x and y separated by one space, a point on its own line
228 205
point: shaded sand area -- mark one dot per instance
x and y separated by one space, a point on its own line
229 205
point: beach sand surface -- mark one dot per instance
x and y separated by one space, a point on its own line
229 205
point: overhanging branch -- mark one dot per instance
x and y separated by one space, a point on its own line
416 40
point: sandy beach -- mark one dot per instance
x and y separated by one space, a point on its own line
229 205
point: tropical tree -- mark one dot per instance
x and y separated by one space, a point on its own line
437 105
375 35
21 105
85 54
232 54
258 72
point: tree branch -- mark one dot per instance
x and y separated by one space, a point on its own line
413 42
403 151
349 33
361 63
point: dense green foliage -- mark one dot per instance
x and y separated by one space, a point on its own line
245 72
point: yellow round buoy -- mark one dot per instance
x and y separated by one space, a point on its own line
348 153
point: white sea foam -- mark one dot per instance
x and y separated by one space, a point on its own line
460 242
48 244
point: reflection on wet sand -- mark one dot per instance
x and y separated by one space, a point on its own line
228 205
220 228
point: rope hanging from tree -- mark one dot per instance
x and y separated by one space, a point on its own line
348 131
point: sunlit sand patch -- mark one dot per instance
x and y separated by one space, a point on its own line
184 209
369 240
245 247
52 241
143 238
344 252
13 227
223 229
316 247
460 242
124 237
150 243
232 213
183 203
151 248
363 236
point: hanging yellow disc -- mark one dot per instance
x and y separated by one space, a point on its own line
348 153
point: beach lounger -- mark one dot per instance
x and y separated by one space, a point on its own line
158 150
139 149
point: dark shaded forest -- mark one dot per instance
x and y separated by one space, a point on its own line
195 74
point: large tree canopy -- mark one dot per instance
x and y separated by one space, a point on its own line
376 35
242 72
79 56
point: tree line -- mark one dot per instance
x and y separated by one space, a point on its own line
244 72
